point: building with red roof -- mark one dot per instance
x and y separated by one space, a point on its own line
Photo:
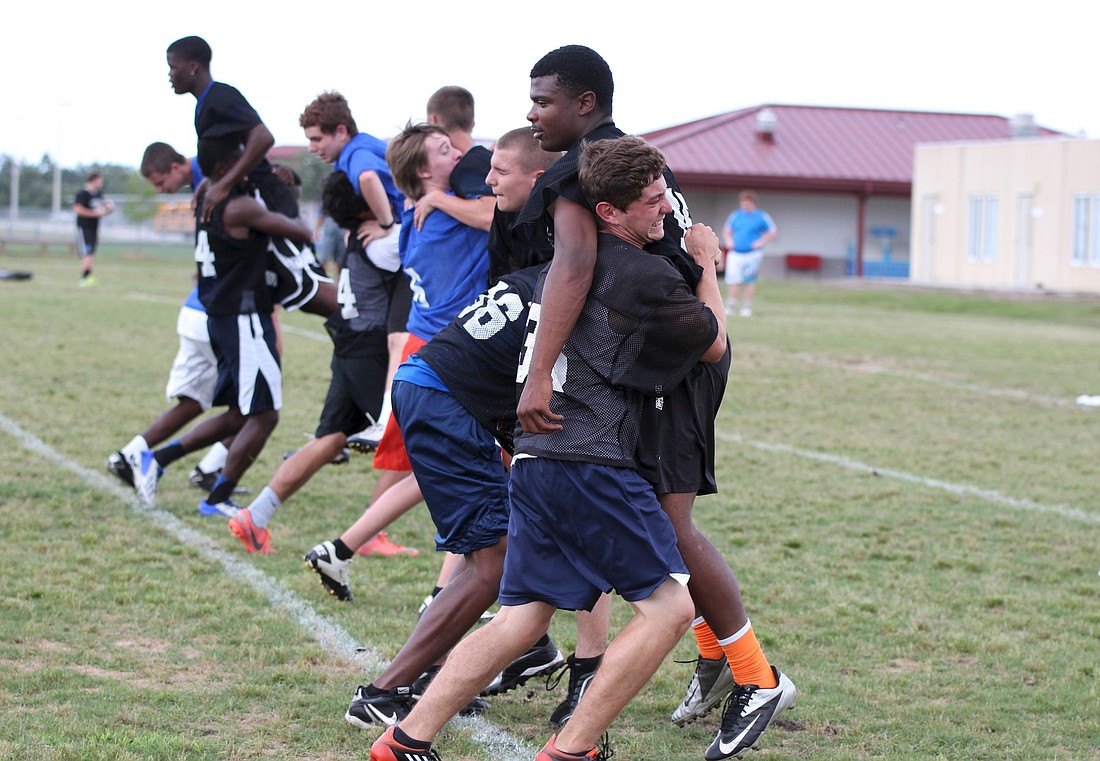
837 181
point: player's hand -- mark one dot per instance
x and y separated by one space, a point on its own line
702 244
215 194
369 230
533 410
424 206
285 175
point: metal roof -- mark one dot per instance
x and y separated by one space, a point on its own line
818 148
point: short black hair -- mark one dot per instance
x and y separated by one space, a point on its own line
217 150
192 49
340 202
579 70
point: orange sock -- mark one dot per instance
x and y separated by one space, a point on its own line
705 639
747 660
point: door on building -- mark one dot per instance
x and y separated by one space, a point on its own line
1025 215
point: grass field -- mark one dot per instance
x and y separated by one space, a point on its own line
908 497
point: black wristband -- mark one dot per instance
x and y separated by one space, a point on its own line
391 224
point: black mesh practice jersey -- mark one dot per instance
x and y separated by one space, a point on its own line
477 353
562 180
509 253
89 200
231 270
639 333
222 110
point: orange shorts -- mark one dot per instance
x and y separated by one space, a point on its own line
391 454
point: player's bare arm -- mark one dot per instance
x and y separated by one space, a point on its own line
702 245
472 212
257 144
566 287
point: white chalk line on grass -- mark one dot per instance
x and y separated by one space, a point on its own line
332 637
961 490
974 388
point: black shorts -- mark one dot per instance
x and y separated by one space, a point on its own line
354 397
397 321
686 430
293 274
249 374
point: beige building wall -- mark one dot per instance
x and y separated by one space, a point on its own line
1027 242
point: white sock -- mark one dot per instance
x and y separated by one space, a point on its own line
214 460
384 414
263 507
136 446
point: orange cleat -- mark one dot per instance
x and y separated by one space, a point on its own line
253 538
386 748
380 544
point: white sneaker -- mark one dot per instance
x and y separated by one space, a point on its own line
746 311
748 712
366 440
332 570
147 474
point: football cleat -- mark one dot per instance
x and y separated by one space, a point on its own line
117 464
147 474
386 708
332 570
711 682
386 748
748 712
541 658
254 538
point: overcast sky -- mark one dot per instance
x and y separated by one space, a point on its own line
88 81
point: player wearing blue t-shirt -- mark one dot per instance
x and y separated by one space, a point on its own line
746 232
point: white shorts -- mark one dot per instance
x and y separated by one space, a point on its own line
742 269
194 372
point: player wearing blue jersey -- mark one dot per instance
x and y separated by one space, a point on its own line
747 230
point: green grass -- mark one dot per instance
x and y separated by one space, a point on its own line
919 618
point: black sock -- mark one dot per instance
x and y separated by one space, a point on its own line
169 453
409 742
342 551
587 665
222 491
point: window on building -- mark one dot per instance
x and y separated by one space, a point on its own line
1086 231
982 243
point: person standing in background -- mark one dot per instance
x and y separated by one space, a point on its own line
747 230
89 207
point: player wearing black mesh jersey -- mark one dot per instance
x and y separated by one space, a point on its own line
583 520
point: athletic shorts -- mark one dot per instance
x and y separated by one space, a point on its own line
685 431
579 529
742 269
457 464
390 454
194 373
86 240
249 375
354 394
293 273
397 320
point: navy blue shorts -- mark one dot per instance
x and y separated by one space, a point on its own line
249 375
354 392
457 464
578 529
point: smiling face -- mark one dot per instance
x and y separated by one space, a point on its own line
643 221
182 74
327 147
511 185
555 115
